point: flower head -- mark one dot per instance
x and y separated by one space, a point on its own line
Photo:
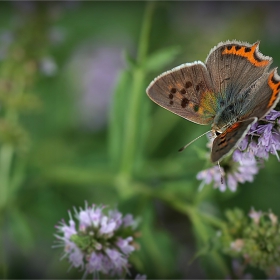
263 138
232 171
255 215
100 242
255 241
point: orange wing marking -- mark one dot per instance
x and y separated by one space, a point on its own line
248 52
274 84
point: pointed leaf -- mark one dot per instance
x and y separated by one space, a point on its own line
160 59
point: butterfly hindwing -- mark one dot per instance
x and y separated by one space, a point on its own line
265 95
185 91
229 139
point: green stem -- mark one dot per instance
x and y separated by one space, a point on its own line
134 106
143 47
3 260
181 206
6 156
7 150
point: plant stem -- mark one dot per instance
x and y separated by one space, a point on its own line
134 106
6 156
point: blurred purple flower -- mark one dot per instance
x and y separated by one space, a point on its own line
93 73
232 172
255 215
101 244
48 66
6 39
238 271
56 35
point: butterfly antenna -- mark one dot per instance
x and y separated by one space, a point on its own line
222 175
183 148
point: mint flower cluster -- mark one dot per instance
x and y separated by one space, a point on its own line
99 241
253 241
262 139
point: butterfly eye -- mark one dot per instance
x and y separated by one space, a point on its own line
217 133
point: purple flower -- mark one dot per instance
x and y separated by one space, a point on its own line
128 220
107 226
48 66
95 263
6 39
93 72
76 256
125 245
263 138
230 174
117 261
255 215
101 242
238 270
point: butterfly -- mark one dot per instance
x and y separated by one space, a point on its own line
232 90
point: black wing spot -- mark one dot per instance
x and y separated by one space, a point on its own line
171 102
170 96
237 48
197 88
173 90
247 49
184 102
183 91
229 47
231 108
188 84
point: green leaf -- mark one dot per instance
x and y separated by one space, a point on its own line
157 255
161 58
213 262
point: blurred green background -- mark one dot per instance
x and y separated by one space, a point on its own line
72 144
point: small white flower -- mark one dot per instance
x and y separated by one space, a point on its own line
237 245
255 215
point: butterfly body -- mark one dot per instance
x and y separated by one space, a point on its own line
231 91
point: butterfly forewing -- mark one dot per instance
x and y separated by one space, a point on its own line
234 66
229 139
185 91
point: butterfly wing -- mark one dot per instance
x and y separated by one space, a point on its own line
186 91
229 139
234 66
264 96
